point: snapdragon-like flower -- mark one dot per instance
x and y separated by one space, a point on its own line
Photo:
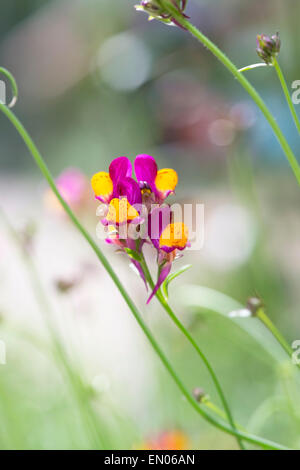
268 47
168 237
135 212
73 186
156 11
118 189
161 183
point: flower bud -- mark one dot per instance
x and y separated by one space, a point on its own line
268 47
199 394
150 7
65 285
254 304
155 9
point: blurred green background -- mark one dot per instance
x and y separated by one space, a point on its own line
97 81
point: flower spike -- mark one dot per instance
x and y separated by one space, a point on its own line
137 208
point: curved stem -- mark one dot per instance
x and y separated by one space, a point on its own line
241 78
254 66
13 84
191 340
212 406
264 443
77 387
287 93
204 359
263 317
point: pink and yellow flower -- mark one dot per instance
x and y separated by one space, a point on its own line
167 237
119 190
127 200
161 182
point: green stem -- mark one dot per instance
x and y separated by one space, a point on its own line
263 317
264 443
254 66
14 86
212 406
243 81
77 388
215 380
287 93
265 411
191 340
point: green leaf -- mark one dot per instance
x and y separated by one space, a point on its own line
209 301
133 254
173 276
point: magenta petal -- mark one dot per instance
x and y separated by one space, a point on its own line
169 249
140 271
72 184
130 243
129 188
133 246
158 220
178 24
162 276
100 198
119 168
145 168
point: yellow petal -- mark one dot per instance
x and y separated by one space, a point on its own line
102 185
174 235
166 180
120 211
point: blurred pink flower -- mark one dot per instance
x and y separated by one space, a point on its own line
73 186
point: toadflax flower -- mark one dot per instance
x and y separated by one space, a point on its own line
135 212
118 189
73 186
156 10
268 47
161 183
168 238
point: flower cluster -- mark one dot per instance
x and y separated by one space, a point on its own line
134 212
268 47
156 11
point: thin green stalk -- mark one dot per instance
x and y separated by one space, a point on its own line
75 383
215 380
287 93
265 411
241 78
254 66
264 443
263 317
191 340
212 406
14 86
